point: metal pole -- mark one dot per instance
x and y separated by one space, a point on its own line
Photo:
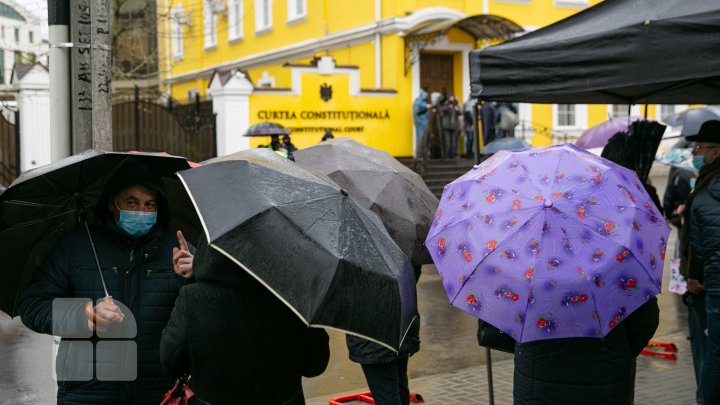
82 103
58 32
488 363
137 117
101 75
478 133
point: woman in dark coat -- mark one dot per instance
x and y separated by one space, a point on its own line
239 342
585 371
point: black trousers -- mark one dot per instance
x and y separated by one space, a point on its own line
388 382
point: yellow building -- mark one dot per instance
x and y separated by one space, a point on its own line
354 67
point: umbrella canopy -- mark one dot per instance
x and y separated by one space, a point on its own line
618 51
598 136
691 119
379 182
320 252
44 203
266 128
548 243
507 143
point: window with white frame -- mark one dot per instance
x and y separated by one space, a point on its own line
209 25
176 32
566 115
620 110
571 3
235 19
297 9
263 15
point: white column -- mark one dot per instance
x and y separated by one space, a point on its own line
231 103
34 106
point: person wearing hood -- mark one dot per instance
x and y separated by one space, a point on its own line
701 248
421 112
133 245
238 341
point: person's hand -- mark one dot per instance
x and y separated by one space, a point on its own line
694 286
182 258
680 208
102 315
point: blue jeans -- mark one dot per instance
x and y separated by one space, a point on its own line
711 367
388 382
697 323
469 135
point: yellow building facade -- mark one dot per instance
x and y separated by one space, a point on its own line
352 67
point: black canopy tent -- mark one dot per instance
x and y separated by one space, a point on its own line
619 51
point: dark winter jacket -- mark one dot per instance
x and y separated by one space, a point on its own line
584 371
704 227
139 274
676 193
692 265
240 343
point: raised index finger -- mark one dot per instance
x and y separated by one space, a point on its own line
182 241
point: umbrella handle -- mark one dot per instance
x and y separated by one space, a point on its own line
97 262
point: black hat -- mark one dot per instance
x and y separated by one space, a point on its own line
709 132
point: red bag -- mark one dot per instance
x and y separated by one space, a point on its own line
180 394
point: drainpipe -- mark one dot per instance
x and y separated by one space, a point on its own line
59 35
168 86
485 7
378 45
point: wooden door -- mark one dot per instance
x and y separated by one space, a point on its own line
436 72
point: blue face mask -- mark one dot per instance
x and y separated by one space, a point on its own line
136 223
692 183
698 161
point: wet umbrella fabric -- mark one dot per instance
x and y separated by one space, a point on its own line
266 128
549 243
598 136
691 119
44 203
507 143
379 182
319 251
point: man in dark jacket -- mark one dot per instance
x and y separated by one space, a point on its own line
386 371
240 343
703 222
109 351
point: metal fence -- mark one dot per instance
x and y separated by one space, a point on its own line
143 123
9 150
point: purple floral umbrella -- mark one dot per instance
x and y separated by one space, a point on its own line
598 136
548 243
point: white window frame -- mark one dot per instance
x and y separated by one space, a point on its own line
571 3
634 110
581 119
235 19
177 46
293 15
261 16
209 26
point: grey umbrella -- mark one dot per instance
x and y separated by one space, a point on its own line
266 128
379 182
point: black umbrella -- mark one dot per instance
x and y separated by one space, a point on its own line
645 137
266 128
320 252
382 184
44 203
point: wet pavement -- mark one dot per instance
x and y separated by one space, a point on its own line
449 357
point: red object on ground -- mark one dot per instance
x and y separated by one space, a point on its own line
668 352
666 355
367 398
669 347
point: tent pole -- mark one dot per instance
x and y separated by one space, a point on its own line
488 363
646 108
478 133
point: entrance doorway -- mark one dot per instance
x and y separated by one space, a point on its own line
436 72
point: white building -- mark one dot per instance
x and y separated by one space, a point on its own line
21 38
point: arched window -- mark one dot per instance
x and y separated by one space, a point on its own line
9 12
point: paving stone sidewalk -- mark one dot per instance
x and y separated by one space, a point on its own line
658 381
